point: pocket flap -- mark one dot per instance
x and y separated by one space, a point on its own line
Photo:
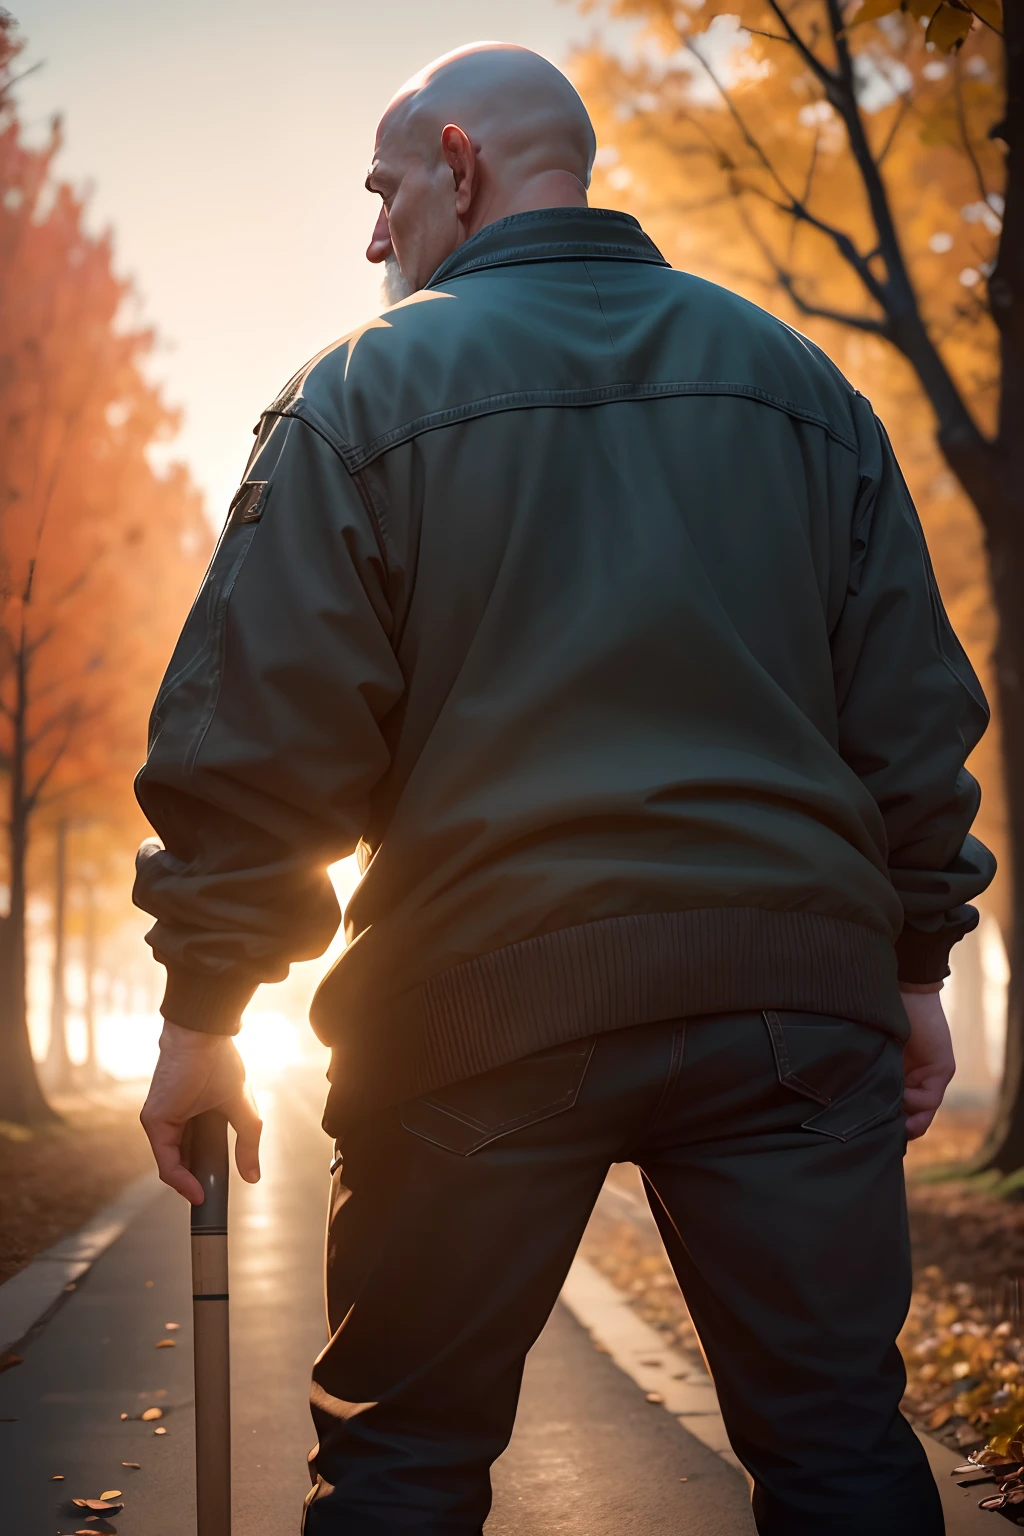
468 1115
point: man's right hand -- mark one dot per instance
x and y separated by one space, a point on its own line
197 1072
928 1061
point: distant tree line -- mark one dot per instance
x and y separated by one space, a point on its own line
100 556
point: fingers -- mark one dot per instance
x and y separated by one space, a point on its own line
922 1096
165 1140
242 1113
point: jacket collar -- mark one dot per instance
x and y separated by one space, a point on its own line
551 234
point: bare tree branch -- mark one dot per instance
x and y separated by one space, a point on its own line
787 281
965 137
897 124
808 55
791 204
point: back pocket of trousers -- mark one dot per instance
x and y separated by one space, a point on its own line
852 1071
469 1115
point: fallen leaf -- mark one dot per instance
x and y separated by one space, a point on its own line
150 1414
135 1465
165 1344
940 1416
71 1287
684 1479
160 1431
7 1360
172 1327
150 1284
123 1417
111 1493
652 1362
655 1397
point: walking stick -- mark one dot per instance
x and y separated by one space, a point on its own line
208 1160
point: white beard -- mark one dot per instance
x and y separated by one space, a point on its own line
394 288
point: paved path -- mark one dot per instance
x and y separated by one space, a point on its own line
590 1457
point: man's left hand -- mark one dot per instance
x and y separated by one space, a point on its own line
197 1072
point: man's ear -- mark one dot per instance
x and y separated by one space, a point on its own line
460 155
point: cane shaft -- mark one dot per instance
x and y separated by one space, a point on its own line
208 1159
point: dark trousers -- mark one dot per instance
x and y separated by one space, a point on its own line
771 1151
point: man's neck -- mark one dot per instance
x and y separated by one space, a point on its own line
549 189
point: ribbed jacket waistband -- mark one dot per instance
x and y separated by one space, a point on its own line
608 975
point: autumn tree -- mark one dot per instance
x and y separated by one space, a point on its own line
99 554
858 166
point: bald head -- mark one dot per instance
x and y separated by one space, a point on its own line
481 133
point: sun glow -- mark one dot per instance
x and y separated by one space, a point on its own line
275 1032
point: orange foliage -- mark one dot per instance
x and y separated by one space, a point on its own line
99 554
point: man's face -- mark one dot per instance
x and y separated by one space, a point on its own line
417 224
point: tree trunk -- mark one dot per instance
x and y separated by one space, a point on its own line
21 1098
94 1074
993 480
58 1062
1004 1146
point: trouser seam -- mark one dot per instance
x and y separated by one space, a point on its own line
675 1067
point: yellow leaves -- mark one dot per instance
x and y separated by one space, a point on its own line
949 21
949 26
872 10
989 11
152 1413
943 1412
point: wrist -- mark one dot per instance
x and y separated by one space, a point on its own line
921 987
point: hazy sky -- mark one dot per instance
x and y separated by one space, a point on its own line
226 142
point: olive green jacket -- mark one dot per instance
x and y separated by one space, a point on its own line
587 601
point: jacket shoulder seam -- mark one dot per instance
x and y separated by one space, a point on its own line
357 457
301 410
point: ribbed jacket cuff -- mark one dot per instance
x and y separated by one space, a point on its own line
923 957
211 1005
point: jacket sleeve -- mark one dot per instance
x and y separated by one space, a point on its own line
910 712
265 740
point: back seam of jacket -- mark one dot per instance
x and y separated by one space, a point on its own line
357 458
604 317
